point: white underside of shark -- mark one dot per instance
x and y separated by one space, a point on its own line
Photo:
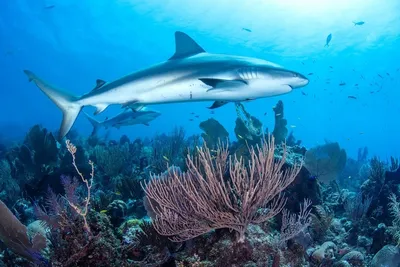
189 75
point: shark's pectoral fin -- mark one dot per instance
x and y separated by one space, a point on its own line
100 108
218 104
99 84
222 84
147 124
185 46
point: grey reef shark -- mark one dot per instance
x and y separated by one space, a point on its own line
190 75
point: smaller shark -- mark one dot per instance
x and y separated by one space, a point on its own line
125 118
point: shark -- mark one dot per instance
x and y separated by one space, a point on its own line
189 75
126 118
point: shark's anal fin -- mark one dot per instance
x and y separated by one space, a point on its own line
218 104
185 46
99 84
222 84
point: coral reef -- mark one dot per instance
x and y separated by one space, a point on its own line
174 200
325 162
214 132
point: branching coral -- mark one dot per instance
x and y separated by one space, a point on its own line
112 159
357 207
168 150
394 208
9 188
193 203
293 224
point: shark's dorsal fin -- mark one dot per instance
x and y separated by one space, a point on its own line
185 46
99 84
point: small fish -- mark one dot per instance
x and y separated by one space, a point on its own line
246 29
118 193
342 84
358 23
49 7
349 177
331 67
302 62
292 126
352 97
212 112
387 73
356 84
361 132
278 114
103 211
191 119
302 92
265 113
241 137
164 157
380 76
328 39
362 77
310 73
197 116
192 113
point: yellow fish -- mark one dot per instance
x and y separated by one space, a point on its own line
164 157
118 193
103 211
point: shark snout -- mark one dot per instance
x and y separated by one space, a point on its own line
298 81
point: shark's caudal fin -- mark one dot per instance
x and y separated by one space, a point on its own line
96 124
65 101
185 46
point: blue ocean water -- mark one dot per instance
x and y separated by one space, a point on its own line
71 43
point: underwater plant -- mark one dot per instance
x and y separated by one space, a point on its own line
168 149
219 191
280 130
112 159
16 237
213 132
325 162
247 127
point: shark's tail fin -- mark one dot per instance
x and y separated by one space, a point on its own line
96 124
65 101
